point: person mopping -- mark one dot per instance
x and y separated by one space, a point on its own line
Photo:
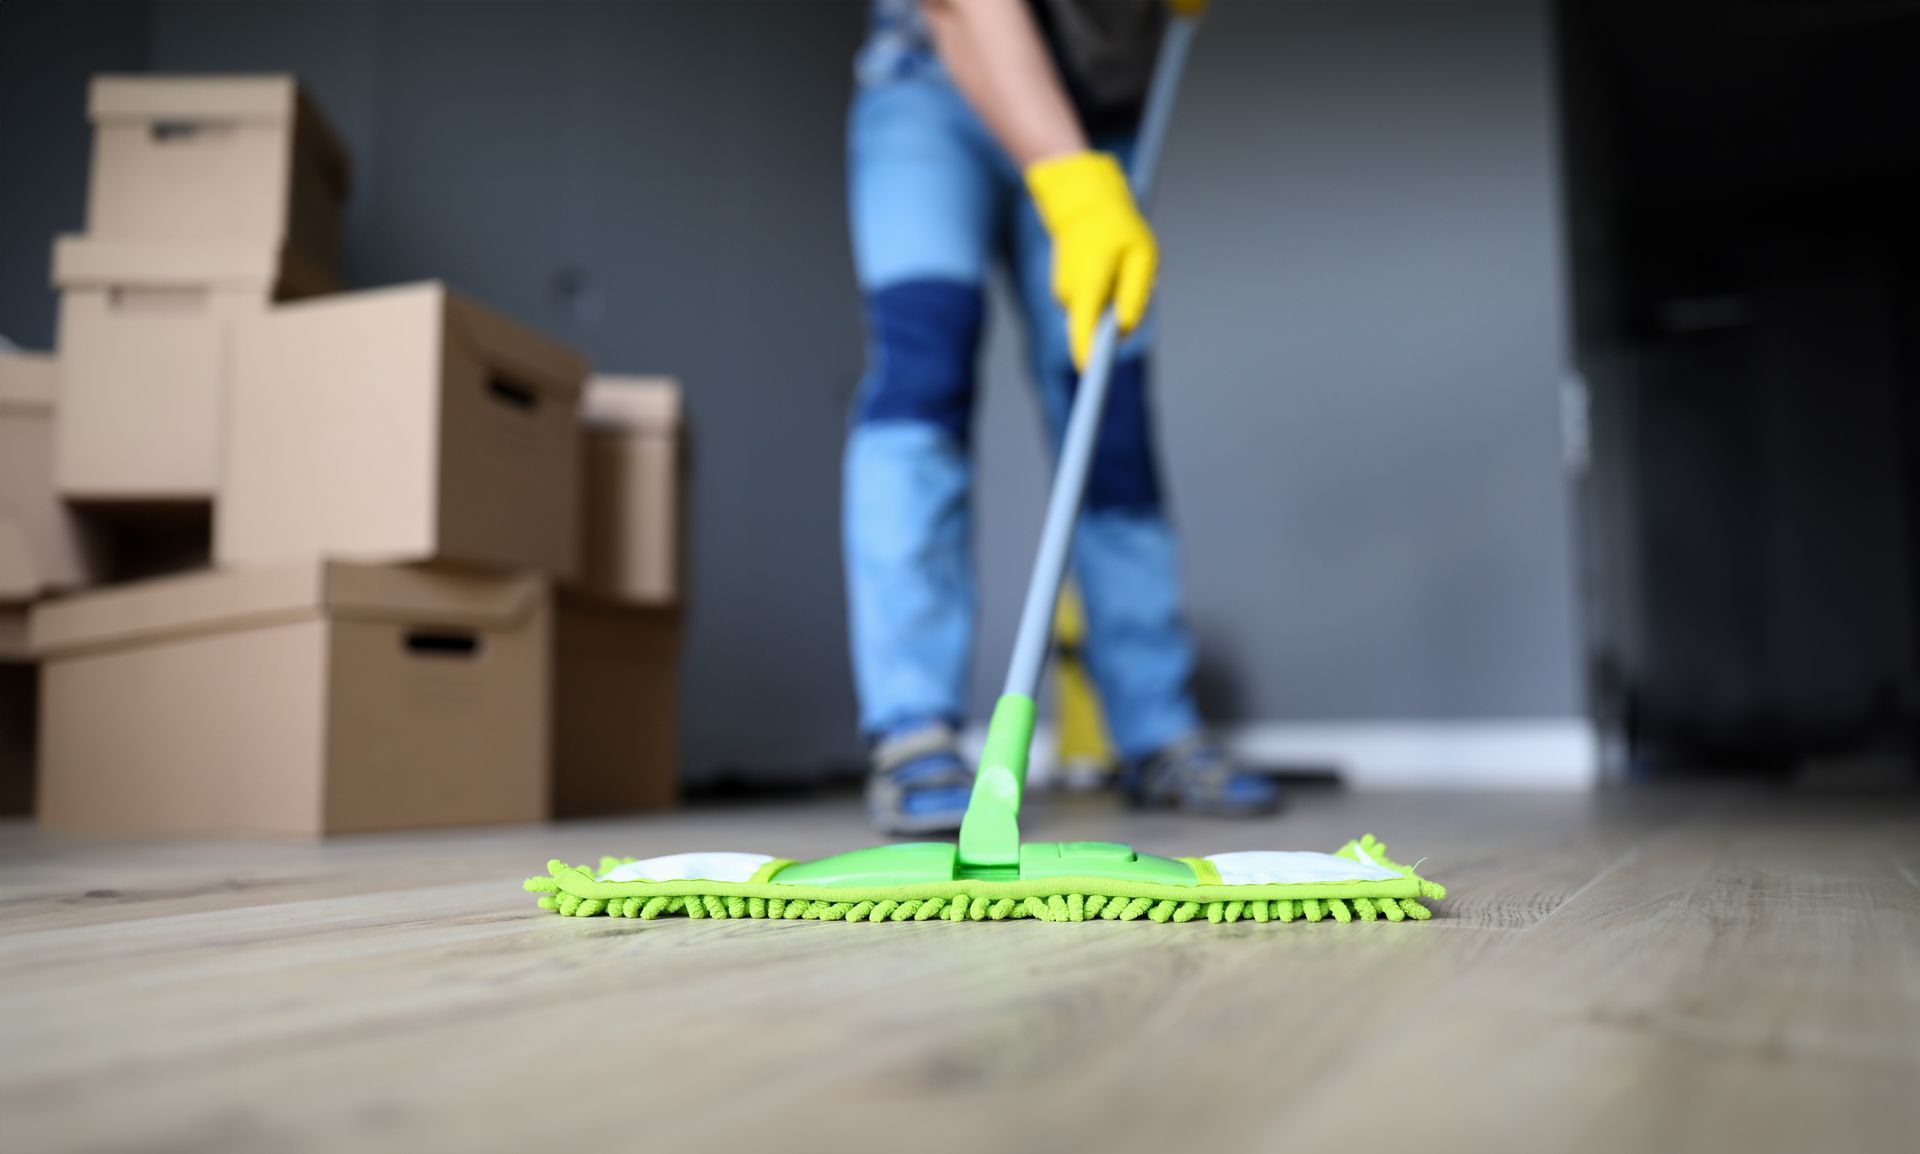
990 873
984 130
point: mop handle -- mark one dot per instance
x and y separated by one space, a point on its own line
1090 398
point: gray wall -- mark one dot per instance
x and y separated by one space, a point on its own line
1361 320
1360 360
47 51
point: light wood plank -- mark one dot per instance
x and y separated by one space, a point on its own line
1630 971
1744 983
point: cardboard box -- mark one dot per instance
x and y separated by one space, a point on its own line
242 159
44 546
616 707
145 328
401 424
319 697
634 490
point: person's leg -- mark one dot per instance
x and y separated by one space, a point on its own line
924 205
1126 559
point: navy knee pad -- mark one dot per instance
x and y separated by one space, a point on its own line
924 337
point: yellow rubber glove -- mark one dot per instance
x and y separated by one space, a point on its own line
1103 251
1191 9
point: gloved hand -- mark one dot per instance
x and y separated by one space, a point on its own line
1191 9
1103 251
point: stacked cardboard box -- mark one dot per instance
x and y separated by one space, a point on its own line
45 548
304 698
617 628
401 424
392 633
209 198
398 490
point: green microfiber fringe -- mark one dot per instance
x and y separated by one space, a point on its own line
575 891
962 908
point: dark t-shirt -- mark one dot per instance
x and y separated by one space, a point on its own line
1103 49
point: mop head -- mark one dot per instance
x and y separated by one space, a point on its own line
1056 882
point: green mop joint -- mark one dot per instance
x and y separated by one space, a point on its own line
990 834
1057 882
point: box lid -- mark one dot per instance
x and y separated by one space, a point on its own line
536 361
269 98
90 261
28 382
638 404
235 599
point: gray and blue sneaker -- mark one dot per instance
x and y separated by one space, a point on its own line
918 783
1196 775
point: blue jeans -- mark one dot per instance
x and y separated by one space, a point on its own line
933 200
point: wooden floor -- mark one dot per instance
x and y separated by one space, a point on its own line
1659 972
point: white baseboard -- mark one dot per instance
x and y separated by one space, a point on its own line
1547 753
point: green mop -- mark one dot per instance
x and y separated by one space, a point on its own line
990 875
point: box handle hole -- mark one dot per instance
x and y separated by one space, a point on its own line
442 643
184 131
513 394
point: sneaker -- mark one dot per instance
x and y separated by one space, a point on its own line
1196 775
918 783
